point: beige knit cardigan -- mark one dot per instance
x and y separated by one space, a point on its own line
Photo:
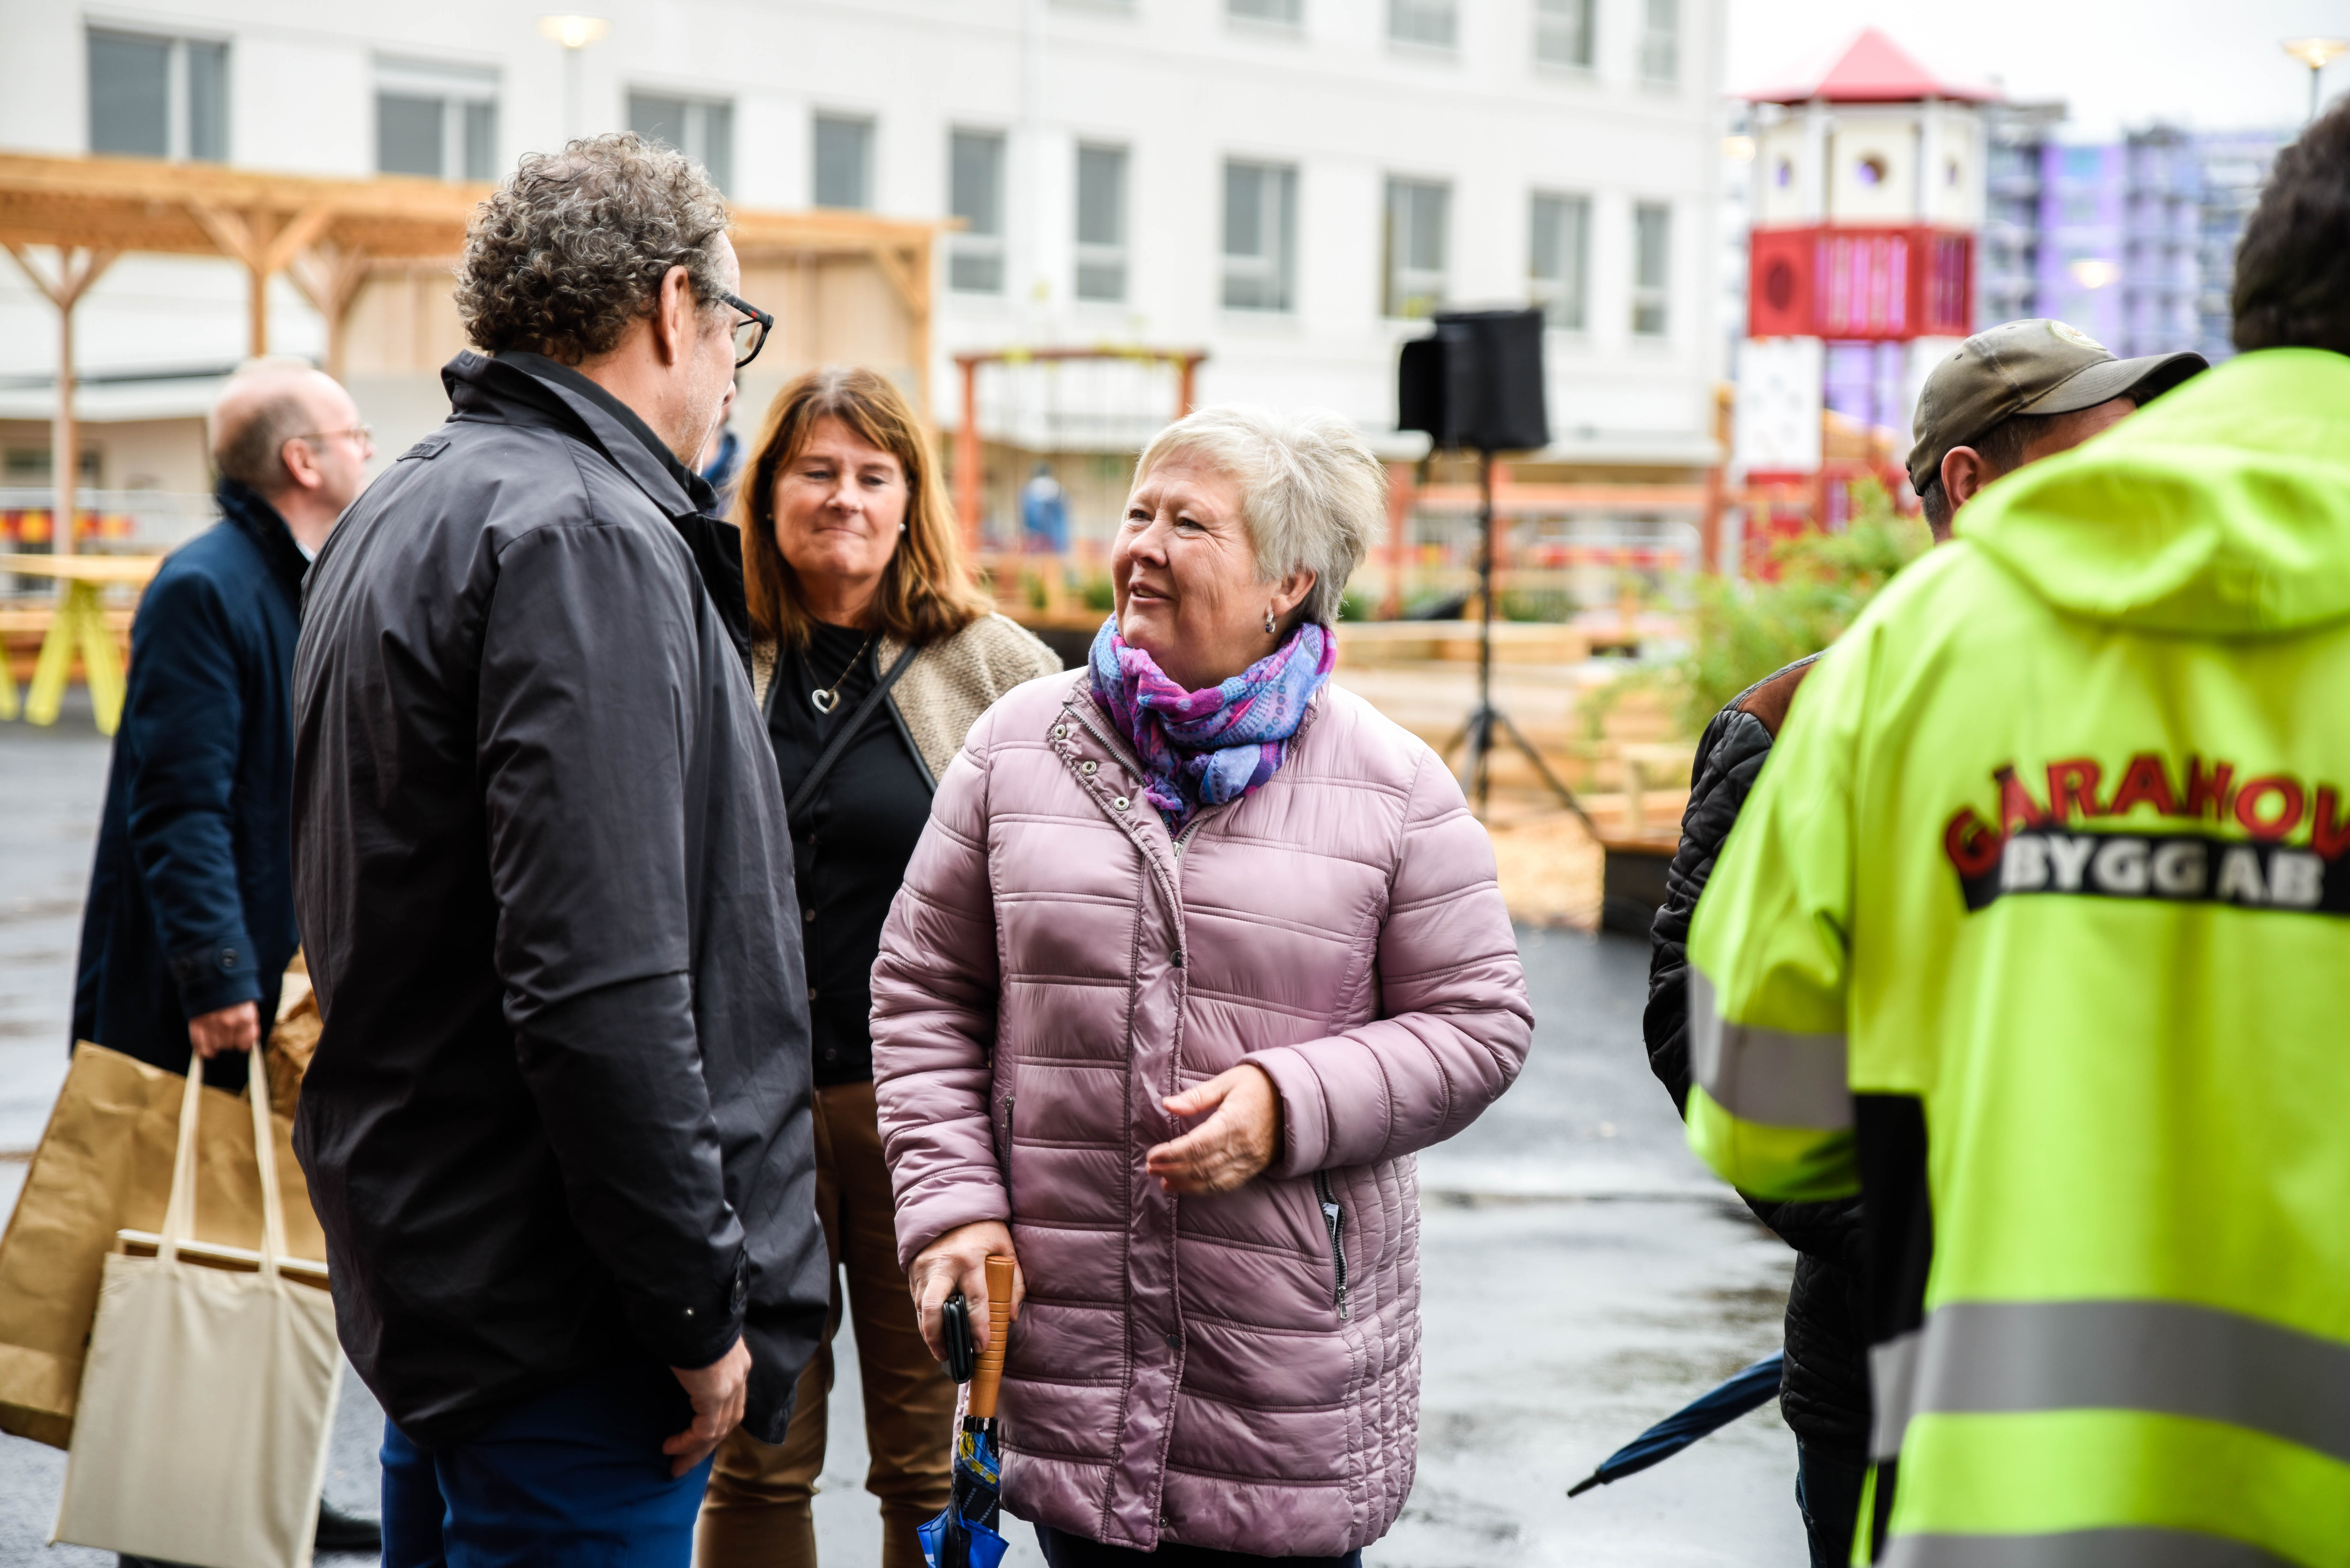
946 690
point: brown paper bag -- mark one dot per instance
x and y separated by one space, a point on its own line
104 1164
293 1039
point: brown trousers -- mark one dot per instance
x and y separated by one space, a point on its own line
757 1513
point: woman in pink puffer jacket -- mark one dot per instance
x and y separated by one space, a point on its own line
1196 951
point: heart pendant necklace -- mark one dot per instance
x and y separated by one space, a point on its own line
827 698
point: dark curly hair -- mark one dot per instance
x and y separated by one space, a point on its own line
574 247
2292 269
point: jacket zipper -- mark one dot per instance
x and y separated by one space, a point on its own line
1158 872
1334 1220
1007 1151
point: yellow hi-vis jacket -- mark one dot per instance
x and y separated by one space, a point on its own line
2036 931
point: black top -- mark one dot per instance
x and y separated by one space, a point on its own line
850 842
192 894
559 1114
1824 1394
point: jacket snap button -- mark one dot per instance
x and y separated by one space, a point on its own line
1090 768
1060 731
1121 803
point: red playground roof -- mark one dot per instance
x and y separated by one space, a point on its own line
1872 69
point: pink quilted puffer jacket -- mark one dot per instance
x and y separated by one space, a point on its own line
1240 1371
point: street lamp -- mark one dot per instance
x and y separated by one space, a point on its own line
574 34
2314 53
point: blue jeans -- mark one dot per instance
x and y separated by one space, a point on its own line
572 1479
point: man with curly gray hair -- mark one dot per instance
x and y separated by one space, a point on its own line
557 1127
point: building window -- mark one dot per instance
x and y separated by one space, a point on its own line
1562 32
1652 247
1660 40
975 194
1433 23
844 163
701 129
158 98
1418 212
1260 236
1288 13
1101 223
1558 260
438 120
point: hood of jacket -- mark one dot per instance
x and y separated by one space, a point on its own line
2222 510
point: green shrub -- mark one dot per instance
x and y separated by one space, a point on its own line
1742 631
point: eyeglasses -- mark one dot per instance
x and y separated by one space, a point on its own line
362 434
750 336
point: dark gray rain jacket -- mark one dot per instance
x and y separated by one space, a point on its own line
559 1114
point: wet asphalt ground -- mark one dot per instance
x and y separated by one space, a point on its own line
1583 1274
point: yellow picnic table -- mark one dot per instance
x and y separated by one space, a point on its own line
79 621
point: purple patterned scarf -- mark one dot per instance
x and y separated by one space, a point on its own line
1204 748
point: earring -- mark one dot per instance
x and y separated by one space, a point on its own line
1268 620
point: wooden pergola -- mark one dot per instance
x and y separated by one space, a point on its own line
329 237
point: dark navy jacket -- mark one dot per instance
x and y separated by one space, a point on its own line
191 898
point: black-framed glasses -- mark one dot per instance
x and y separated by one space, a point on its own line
750 336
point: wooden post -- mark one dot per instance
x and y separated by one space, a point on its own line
264 247
330 276
1187 385
967 456
1399 499
1708 533
77 270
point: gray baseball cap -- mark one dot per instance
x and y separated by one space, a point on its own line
2032 367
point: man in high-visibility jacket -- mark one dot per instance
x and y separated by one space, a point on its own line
2036 933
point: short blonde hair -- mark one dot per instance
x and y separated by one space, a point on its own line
1313 496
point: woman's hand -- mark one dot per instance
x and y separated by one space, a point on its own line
1231 1147
958 1261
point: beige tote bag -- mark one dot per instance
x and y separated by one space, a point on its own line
207 1400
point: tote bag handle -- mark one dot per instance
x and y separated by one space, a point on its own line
179 1211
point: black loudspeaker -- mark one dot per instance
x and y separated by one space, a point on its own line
1476 381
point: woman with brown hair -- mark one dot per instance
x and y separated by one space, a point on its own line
873 656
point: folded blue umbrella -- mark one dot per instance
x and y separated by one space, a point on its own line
963 1534
1749 1390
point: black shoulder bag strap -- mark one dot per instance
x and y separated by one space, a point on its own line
846 732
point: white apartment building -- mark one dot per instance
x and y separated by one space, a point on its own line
1287 184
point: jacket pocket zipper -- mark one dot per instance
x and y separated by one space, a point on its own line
1008 1102
1334 1220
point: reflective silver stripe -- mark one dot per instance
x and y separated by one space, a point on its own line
2166 1358
2143 1547
1774 1076
1892 1391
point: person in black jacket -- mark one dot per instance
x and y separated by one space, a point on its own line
2006 397
557 1123
189 920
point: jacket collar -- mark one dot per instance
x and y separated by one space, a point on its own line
246 511
477 382
579 407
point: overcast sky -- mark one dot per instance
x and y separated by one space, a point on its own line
2211 64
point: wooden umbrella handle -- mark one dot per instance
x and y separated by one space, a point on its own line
983 1382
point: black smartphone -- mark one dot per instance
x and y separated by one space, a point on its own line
954 1324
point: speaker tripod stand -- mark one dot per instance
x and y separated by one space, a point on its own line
1487 723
